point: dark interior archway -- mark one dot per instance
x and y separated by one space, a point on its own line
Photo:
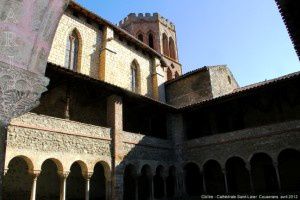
145 184
237 176
48 183
158 182
17 182
98 183
214 178
130 183
171 183
263 173
289 170
75 183
193 180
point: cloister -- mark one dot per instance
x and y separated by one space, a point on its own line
260 174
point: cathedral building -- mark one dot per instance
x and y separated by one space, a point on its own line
120 121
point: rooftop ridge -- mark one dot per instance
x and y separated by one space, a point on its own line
133 17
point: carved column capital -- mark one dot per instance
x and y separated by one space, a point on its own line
20 91
88 175
64 175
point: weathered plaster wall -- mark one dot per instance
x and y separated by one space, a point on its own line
90 38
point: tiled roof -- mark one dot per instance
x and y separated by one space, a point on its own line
110 87
290 12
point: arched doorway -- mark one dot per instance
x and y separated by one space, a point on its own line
263 173
17 182
289 170
48 183
171 183
76 183
214 178
159 184
98 183
193 180
238 179
145 183
130 183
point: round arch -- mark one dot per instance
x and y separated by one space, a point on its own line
238 177
214 177
28 161
193 179
288 167
263 173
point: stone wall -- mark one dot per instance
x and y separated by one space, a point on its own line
90 37
200 85
271 139
118 60
140 150
40 137
189 89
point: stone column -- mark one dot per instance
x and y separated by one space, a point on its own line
225 180
63 188
87 177
33 189
165 186
277 175
176 133
115 121
203 182
248 167
108 189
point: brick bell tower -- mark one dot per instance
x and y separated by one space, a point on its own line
158 33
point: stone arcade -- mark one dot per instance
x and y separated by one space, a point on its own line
120 121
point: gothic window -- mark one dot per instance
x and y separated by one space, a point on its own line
176 74
165 45
151 40
141 37
72 51
135 80
172 48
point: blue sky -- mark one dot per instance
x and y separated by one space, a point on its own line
247 35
